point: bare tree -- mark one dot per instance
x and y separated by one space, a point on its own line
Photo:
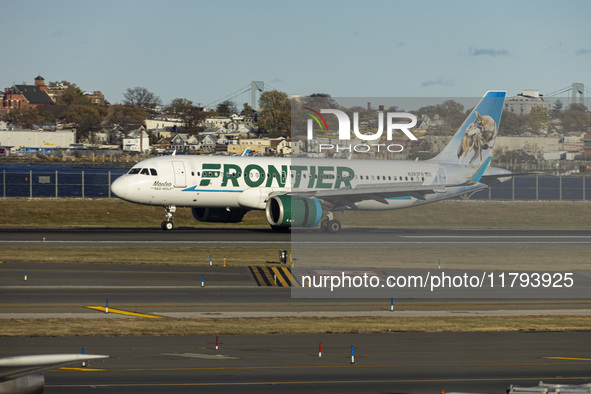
142 98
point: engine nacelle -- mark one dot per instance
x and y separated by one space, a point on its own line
218 215
29 384
286 211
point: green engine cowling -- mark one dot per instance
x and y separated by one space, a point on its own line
218 215
287 211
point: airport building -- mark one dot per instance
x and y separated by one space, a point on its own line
31 139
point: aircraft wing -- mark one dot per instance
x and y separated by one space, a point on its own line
15 367
378 192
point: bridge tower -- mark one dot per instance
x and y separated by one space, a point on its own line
255 86
578 91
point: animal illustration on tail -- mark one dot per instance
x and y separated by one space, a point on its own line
480 135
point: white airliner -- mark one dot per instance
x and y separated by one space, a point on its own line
303 191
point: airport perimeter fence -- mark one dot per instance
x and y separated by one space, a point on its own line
94 183
71 183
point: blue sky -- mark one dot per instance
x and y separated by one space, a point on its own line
206 50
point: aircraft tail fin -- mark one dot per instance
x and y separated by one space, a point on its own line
474 141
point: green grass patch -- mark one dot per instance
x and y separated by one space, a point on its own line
78 212
290 325
489 258
235 256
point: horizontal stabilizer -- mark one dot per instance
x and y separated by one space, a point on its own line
478 174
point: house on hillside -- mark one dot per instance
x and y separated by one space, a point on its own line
137 141
25 96
179 142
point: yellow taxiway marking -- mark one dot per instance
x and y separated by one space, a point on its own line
120 312
294 283
279 276
372 304
568 358
273 276
324 367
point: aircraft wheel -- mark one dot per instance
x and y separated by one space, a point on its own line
167 225
324 225
334 226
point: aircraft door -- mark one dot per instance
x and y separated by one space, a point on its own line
180 179
441 176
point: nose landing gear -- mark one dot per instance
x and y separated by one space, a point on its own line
167 225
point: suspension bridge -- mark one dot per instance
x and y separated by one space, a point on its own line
575 92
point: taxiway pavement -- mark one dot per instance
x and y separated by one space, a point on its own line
66 290
230 237
392 363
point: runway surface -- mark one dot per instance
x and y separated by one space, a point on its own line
229 237
386 363
392 363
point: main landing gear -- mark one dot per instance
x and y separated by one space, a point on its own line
330 225
167 225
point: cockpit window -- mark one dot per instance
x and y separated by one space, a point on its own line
143 171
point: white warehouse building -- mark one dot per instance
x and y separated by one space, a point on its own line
37 139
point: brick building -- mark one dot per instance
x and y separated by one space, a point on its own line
24 96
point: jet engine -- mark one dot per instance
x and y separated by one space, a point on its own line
29 384
218 215
286 211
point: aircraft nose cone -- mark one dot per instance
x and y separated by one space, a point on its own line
120 187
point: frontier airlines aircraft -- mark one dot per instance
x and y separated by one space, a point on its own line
306 191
